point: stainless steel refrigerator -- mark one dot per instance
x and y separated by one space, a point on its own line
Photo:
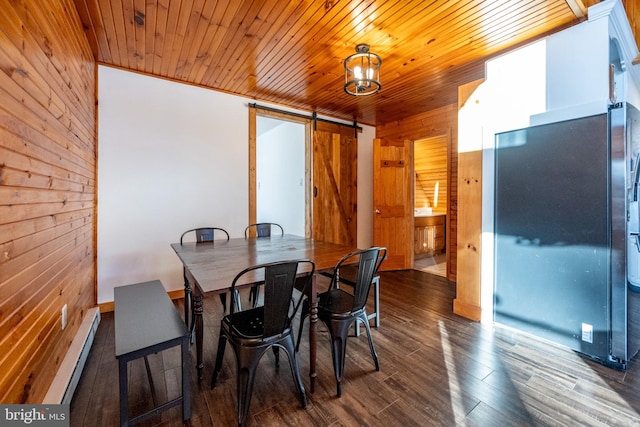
566 233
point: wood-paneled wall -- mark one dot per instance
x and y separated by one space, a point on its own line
468 302
632 7
440 122
47 190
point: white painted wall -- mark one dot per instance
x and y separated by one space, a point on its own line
577 73
578 60
496 106
173 157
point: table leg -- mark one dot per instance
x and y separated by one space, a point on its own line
313 320
197 310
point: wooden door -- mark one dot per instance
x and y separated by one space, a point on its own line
335 184
393 188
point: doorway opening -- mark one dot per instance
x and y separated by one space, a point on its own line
280 173
329 182
430 204
276 192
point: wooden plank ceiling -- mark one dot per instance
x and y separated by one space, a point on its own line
291 52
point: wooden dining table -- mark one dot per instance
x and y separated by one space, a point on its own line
211 266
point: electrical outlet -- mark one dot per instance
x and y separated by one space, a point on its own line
587 332
64 316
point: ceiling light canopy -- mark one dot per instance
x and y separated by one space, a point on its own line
362 72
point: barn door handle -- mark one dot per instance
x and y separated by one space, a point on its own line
315 191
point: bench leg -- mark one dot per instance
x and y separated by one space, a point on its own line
186 380
154 399
124 393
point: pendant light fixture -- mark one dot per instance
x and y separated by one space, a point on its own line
362 72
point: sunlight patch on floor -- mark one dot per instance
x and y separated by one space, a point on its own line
596 390
436 264
455 391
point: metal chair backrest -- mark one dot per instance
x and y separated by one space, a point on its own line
366 262
205 234
279 280
262 229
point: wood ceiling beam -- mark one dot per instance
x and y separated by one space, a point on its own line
578 8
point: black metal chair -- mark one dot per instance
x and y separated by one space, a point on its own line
339 309
253 331
261 229
202 235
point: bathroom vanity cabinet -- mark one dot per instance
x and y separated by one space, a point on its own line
429 235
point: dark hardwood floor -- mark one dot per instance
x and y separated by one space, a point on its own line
437 369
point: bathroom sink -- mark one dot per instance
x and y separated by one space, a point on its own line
423 212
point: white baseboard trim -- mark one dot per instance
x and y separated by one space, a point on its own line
66 379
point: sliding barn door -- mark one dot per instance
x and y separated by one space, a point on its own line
334 184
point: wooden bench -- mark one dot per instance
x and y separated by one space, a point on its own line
146 322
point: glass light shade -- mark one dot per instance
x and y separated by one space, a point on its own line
362 72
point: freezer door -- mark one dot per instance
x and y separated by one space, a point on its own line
552 232
625 296
619 194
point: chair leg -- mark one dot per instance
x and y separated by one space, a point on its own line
376 301
376 306
222 342
374 355
300 333
192 328
238 302
247 360
223 300
245 382
287 345
339 331
189 313
304 313
254 294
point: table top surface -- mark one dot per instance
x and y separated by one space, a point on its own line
213 265
144 316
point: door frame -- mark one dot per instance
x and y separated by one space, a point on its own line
308 149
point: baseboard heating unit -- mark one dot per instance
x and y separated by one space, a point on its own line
66 380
